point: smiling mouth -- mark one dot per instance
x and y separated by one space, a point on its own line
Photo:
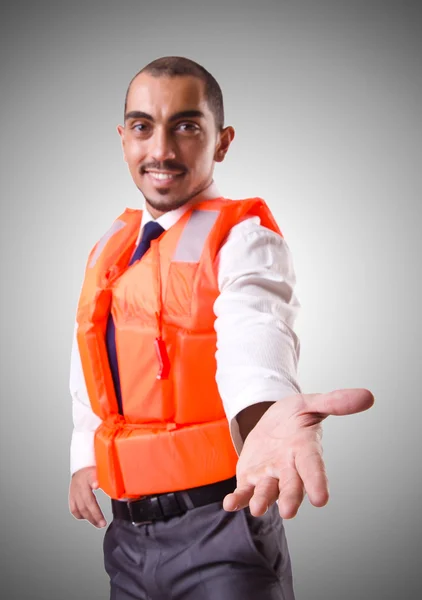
163 177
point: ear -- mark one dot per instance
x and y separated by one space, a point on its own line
226 136
121 132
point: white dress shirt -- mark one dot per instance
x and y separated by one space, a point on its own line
257 349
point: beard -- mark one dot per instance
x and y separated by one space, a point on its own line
166 205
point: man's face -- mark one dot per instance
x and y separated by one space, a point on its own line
170 140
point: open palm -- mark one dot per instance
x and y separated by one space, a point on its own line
282 455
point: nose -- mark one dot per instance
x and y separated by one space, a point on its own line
162 145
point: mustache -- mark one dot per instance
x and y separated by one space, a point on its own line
165 165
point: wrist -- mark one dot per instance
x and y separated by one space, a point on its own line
249 417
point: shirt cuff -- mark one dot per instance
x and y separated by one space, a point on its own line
82 450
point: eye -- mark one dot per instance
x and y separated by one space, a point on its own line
140 127
187 127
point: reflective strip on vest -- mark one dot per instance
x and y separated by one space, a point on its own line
194 235
117 226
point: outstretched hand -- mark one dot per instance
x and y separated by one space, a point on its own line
282 456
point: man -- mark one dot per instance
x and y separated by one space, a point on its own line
184 358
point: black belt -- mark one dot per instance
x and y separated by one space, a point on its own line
162 506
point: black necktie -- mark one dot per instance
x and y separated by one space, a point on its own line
151 231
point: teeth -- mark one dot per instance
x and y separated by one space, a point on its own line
161 175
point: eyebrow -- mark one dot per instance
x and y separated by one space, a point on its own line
184 114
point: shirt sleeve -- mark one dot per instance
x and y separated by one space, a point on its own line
85 421
257 348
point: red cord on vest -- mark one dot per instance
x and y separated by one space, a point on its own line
159 343
163 358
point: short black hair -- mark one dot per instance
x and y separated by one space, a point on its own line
173 66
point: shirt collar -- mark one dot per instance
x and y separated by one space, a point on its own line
171 217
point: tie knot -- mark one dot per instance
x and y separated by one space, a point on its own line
151 231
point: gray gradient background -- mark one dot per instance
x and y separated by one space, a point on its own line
326 101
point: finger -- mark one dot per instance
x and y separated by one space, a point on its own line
88 515
239 498
75 512
340 402
95 515
265 494
311 469
88 508
291 495
92 480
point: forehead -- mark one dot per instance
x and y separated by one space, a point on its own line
163 96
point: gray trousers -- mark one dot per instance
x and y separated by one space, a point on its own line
205 554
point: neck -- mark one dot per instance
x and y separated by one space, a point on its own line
207 193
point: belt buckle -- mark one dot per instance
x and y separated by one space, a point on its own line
136 523
158 507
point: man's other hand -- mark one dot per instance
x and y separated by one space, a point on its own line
82 501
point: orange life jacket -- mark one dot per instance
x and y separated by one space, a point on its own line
174 434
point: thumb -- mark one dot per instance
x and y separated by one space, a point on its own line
340 402
92 479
